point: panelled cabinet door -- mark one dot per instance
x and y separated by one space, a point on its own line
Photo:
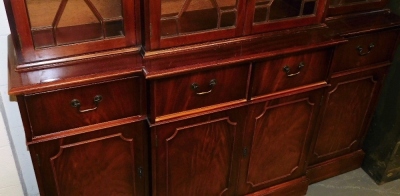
346 114
197 156
268 15
49 29
276 141
104 162
181 22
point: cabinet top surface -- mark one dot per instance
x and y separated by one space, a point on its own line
154 64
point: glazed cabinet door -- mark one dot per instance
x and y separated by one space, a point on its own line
197 156
182 22
347 110
50 29
110 161
269 15
276 142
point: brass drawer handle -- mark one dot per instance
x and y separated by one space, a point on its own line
360 49
286 69
77 104
212 83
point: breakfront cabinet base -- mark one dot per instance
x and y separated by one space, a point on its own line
261 113
335 166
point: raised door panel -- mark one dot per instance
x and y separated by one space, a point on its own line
347 110
278 137
196 156
103 162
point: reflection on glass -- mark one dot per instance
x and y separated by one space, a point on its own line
186 16
269 10
60 22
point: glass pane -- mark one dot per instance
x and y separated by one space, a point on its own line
228 19
269 10
285 9
59 22
109 8
261 14
114 28
187 16
111 12
309 8
77 23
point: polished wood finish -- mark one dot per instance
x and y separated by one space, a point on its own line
244 106
198 57
293 187
358 51
304 68
335 166
197 156
354 24
356 79
277 127
230 85
79 165
346 114
117 101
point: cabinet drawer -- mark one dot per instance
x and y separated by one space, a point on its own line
196 90
64 109
364 50
289 72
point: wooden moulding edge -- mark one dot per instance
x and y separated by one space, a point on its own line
196 112
72 59
86 129
288 92
71 82
334 167
361 69
297 186
149 74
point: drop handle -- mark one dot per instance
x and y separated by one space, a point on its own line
361 49
195 87
77 104
286 69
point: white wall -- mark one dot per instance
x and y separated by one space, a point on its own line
9 179
16 170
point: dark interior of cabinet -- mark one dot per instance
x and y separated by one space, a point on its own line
268 10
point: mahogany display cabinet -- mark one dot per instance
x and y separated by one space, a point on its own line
196 97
